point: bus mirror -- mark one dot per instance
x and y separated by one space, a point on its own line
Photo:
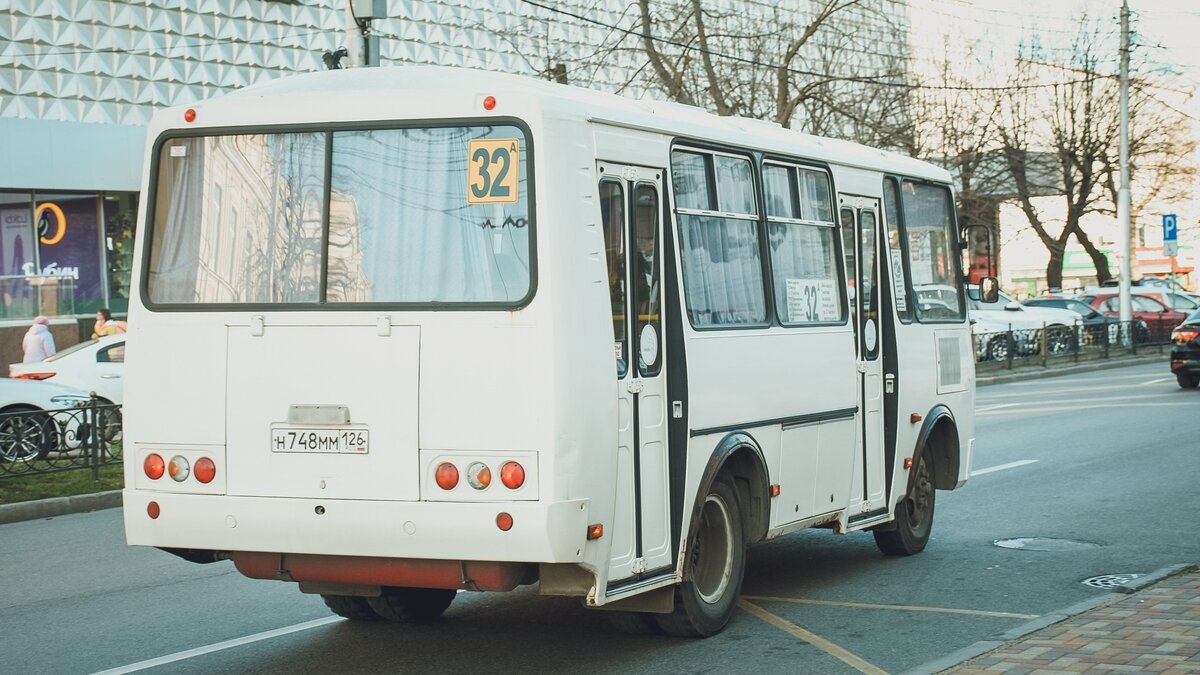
989 289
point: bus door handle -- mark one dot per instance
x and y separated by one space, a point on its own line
889 383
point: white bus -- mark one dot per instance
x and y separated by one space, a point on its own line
406 331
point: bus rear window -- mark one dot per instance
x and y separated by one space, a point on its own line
402 216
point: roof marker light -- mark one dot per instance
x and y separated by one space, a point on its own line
489 102
189 115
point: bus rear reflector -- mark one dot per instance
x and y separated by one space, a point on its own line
446 476
33 376
205 469
504 521
154 466
153 510
512 475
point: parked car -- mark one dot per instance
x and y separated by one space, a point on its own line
1058 323
1157 316
1185 351
1096 325
97 365
36 418
995 335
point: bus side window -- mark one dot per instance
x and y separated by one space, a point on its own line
612 219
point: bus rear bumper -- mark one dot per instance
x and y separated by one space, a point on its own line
540 532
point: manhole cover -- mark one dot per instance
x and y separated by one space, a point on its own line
1044 544
1110 581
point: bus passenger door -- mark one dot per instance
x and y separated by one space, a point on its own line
631 211
860 237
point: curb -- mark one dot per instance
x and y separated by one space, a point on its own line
1038 372
58 506
961 656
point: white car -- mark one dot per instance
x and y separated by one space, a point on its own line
96 365
37 418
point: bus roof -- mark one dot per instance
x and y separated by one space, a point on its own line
571 101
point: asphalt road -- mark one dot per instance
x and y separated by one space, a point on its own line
1097 471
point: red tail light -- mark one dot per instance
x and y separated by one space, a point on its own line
205 470
33 376
446 476
512 475
154 466
1184 335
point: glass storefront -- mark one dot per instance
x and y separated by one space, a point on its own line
64 254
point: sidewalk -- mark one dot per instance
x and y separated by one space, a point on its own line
1151 626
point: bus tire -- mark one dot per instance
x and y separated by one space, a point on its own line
351 607
914 514
411 605
712 573
634 623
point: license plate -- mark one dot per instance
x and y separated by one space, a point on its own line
348 440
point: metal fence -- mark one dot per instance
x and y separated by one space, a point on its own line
998 350
34 441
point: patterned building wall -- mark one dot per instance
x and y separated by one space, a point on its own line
115 61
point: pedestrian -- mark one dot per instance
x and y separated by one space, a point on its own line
105 324
38 343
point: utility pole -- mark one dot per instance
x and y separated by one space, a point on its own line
1123 193
362 46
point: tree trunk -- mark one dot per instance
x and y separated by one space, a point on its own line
1054 270
1099 260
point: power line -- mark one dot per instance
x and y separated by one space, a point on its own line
796 71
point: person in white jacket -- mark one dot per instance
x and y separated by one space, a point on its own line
38 342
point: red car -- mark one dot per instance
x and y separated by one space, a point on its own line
1159 318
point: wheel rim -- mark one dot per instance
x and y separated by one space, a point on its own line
712 551
999 349
920 499
20 438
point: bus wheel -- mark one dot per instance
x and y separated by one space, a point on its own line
411 605
712 574
914 514
351 606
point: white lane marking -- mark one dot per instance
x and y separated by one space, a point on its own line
219 646
1087 405
1002 467
1161 379
995 407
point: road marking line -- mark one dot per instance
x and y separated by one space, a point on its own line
817 641
1087 406
1002 467
995 407
1161 379
219 646
905 608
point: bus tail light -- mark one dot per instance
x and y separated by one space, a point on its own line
479 476
512 475
34 376
205 470
178 468
504 521
154 466
446 476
